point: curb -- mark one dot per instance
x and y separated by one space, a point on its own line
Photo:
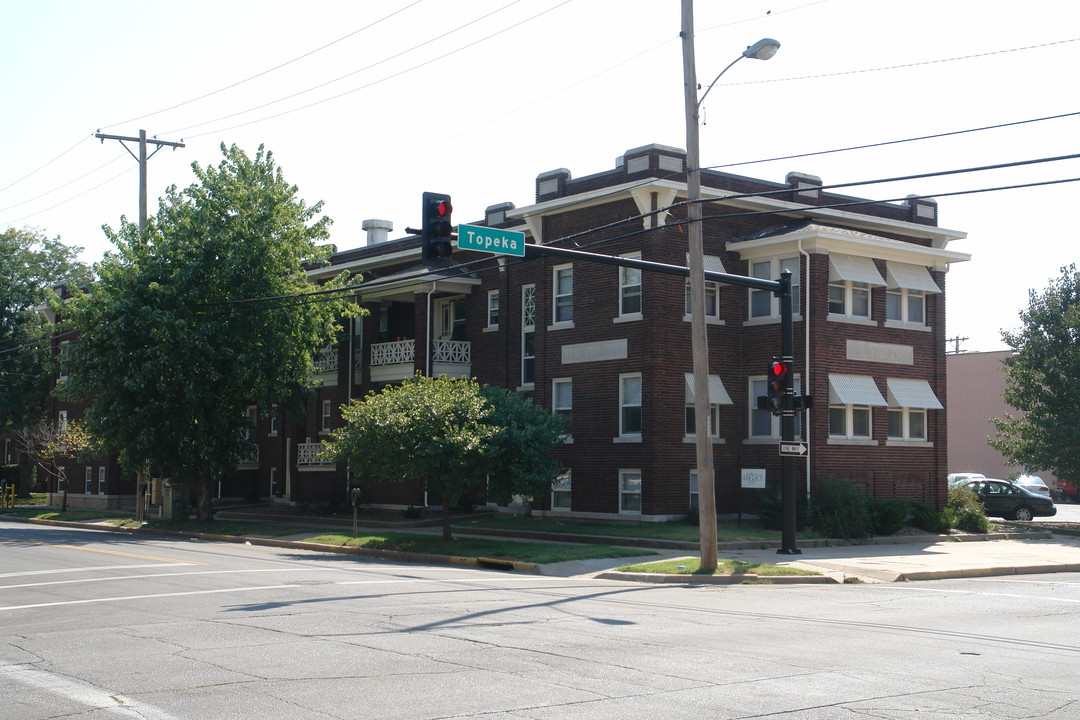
733 579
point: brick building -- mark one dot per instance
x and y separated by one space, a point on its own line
610 346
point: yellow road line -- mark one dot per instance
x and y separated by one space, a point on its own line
99 550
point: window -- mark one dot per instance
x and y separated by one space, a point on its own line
88 480
64 358
763 303
327 411
563 294
630 491
906 306
763 424
560 492
693 490
849 421
528 335
908 286
630 405
717 396
274 420
851 398
61 422
908 402
8 457
630 289
61 479
493 309
562 401
274 482
101 480
712 300
849 298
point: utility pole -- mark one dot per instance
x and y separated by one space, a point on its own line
699 337
141 158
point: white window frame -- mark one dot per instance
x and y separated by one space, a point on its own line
528 334
564 406
849 422
561 495
273 420
492 310
627 404
694 492
690 416
630 287
88 480
61 478
906 299
774 420
712 310
630 476
273 481
776 266
907 415
102 476
326 417
562 296
851 290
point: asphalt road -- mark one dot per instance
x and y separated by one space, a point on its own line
102 626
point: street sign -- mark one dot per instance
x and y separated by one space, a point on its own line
485 239
798 449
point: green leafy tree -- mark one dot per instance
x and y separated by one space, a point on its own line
1040 382
31 264
449 434
200 318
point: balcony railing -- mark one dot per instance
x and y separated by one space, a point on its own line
393 353
458 352
311 454
250 456
326 361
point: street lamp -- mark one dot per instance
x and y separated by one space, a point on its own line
761 50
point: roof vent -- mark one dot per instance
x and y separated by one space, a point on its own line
377 230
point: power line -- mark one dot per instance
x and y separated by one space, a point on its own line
32 172
268 71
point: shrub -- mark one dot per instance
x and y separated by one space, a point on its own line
840 510
889 516
965 511
925 517
769 505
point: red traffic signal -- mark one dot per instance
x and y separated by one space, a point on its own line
437 227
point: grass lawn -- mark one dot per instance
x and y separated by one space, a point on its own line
685 531
479 547
692 566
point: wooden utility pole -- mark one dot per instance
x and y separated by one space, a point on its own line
141 158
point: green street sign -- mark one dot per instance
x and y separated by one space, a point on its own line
485 239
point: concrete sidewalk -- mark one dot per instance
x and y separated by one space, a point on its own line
921 559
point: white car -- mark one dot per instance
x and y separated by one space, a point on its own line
1033 483
957 479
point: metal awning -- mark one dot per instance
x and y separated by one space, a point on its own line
712 263
854 269
912 394
717 393
854 390
910 277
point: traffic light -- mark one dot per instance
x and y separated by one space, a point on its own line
778 377
435 232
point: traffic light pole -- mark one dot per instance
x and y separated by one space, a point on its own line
782 290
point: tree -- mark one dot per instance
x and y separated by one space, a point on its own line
1042 382
201 318
48 445
450 435
31 264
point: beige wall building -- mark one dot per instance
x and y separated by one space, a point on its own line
975 382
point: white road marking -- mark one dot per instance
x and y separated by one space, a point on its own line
57 571
89 601
82 692
983 594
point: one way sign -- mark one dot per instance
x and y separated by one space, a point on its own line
797 449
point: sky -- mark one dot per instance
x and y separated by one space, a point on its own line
366 105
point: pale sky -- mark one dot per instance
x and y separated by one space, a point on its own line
366 105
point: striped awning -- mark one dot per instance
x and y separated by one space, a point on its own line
854 390
717 393
854 269
910 277
712 263
912 394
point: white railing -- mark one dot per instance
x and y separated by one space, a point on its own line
452 351
311 454
326 361
393 353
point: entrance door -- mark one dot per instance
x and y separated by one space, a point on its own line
450 318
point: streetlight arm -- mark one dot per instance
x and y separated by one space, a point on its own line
710 87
